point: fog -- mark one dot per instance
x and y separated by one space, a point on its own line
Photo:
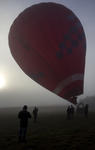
19 88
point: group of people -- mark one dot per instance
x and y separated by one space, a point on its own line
70 111
24 115
81 109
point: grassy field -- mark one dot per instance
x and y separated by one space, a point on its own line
53 131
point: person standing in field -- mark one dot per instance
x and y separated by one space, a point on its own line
86 110
68 112
35 113
23 115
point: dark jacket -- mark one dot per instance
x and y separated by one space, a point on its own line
24 116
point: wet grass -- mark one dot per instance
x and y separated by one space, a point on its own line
53 131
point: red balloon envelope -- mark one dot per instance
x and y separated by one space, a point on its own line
48 42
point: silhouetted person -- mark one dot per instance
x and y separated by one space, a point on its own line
35 113
72 110
86 110
23 115
68 112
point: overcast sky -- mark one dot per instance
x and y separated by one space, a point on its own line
19 88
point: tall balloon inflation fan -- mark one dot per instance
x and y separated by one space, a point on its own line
48 42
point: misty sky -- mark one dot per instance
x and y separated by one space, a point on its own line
19 88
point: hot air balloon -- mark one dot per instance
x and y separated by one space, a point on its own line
47 41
